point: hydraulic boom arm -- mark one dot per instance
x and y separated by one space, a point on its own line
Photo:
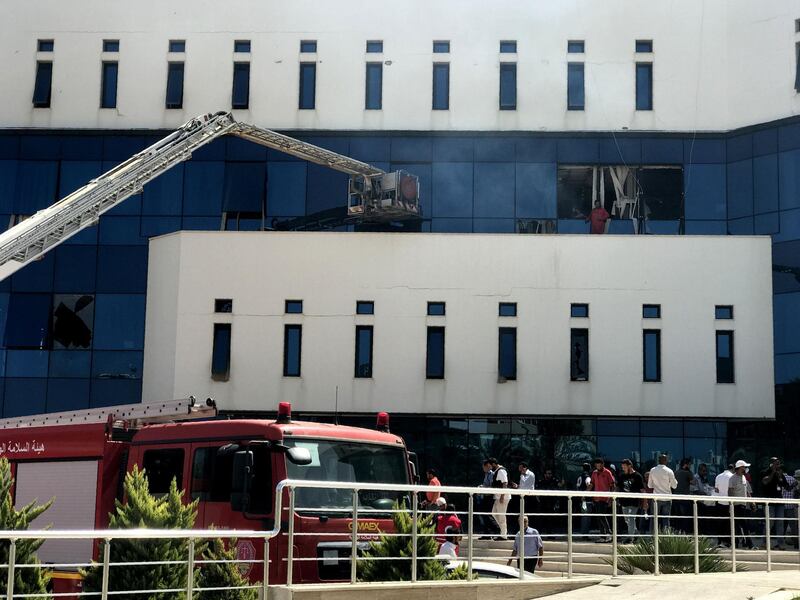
374 194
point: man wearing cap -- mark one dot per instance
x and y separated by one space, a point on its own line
775 484
739 487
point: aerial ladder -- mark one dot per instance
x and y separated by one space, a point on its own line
373 194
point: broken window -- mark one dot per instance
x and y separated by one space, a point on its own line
649 197
73 321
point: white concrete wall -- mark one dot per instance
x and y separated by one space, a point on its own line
472 273
719 64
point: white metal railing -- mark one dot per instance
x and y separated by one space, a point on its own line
729 521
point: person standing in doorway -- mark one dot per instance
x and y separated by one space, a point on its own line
630 482
662 481
598 218
500 505
602 481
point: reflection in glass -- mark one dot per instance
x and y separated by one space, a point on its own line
363 351
579 355
292 342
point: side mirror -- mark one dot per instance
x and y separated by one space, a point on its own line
299 456
241 480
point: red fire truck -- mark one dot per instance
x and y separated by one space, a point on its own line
231 466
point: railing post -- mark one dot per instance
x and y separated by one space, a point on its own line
613 537
354 540
733 536
106 568
569 536
190 572
696 533
12 559
656 569
415 534
265 576
521 545
768 536
290 552
470 532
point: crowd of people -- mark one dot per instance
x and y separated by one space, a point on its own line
546 515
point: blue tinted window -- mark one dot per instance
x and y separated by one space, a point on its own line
286 189
651 311
494 190
177 45
118 364
579 355
43 87
705 187
241 46
725 369
436 309
292 348
122 269
294 307
240 97
375 46
575 93
797 67
723 312
153 226
244 187
37 183
26 363
452 190
110 45
365 307
374 86
75 174
25 397
508 309
108 98
203 184
363 351
35 277
111 392
579 310
575 46
221 352
164 194
119 322
434 362
441 86
508 47
175 85
508 86
617 427
70 363
28 324
765 183
67 394
120 230
45 45
507 353
651 354
441 47
644 45
535 190
308 84
644 86
308 46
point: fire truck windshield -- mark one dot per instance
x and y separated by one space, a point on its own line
348 462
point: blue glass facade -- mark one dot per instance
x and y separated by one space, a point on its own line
744 182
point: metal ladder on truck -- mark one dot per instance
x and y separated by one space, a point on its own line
374 195
128 415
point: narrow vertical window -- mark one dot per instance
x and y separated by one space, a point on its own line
374 87
579 355
644 86
175 85
308 84
797 67
292 348
363 351
441 86
240 97
651 355
575 89
725 370
507 353
44 83
221 352
434 363
508 86
108 97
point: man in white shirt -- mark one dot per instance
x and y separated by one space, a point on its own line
500 506
527 480
721 484
662 481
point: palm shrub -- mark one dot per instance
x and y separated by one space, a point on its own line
676 555
28 580
389 558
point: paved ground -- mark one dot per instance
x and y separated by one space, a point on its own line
710 586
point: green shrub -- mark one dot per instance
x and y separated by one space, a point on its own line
676 555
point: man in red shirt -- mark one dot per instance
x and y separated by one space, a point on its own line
598 218
431 497
602 481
